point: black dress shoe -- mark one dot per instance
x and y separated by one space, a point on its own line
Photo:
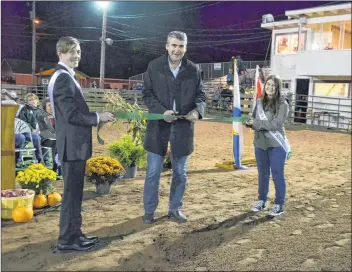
93 239
177 216
78 246
148 219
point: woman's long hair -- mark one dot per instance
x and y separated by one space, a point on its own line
266 102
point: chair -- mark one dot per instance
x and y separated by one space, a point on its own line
22 127
45 143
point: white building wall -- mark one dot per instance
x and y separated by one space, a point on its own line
284 65
323 63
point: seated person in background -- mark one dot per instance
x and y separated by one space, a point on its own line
29 114
229 77
329 46
226 93
216 98
20 141
46 123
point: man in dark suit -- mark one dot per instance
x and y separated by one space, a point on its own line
172 87
74 125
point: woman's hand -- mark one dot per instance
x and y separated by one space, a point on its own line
249 122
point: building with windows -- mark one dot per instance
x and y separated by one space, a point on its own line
311 51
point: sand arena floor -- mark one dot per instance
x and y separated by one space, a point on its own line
313 234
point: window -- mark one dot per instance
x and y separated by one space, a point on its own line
288 43
332 89
329 36
286 84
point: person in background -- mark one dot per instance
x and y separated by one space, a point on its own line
20 141
229 77
329 46
46 122
29 114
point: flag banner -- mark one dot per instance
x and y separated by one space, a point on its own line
237 128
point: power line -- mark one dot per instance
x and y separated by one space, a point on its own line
72 27
45 37
190 34
158 39
184 9
59 17
15 24
19 17
222 29
60 9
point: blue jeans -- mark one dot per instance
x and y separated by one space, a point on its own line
37 145
152 181
20 141
271 159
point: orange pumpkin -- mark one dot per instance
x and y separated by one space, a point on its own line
54 198
40 201
22 214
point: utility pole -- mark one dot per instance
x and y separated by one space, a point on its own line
102 56
32 16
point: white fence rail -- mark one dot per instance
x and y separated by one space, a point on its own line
322 111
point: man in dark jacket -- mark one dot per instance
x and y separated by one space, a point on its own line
172 87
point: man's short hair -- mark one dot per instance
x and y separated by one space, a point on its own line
64 44
181 36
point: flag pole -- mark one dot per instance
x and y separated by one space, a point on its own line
237 130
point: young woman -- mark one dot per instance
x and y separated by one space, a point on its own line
271 145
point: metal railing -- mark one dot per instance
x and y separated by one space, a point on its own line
322 111
314 111
215 70
22 90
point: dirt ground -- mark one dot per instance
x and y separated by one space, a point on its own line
314 234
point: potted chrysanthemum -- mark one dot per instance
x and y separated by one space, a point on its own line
103 172
36 177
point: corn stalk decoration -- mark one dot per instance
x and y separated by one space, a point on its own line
136 128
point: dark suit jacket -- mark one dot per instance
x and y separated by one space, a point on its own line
73 120
160 91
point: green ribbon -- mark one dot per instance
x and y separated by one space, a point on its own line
156 116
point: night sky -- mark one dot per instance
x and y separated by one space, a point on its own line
216 31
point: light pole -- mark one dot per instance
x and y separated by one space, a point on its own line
32 14
104 6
